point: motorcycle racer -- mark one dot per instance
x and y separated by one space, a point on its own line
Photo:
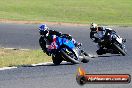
51 36
99 34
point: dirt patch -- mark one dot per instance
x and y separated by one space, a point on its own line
40 22
3 52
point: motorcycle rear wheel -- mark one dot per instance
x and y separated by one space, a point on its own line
56 59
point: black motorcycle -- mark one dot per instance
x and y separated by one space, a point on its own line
113 44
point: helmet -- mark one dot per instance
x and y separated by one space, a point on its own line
93 27
43 29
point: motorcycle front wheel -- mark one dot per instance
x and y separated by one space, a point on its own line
69 55
119 49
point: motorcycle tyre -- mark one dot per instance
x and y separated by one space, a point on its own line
57 59
119 49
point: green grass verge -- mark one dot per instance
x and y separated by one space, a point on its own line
22 57
73 11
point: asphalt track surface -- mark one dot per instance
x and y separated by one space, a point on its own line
64 75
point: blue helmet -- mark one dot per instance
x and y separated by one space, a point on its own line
43 29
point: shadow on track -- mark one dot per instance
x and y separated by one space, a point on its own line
106 55
111 55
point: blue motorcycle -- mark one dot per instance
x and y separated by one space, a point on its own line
65 50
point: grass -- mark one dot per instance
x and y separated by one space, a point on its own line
71 11
10 57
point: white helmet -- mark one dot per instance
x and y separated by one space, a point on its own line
93 25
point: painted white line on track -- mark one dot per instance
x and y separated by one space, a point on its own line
25 49
47 63
17 49
92 56
9 48
7 68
